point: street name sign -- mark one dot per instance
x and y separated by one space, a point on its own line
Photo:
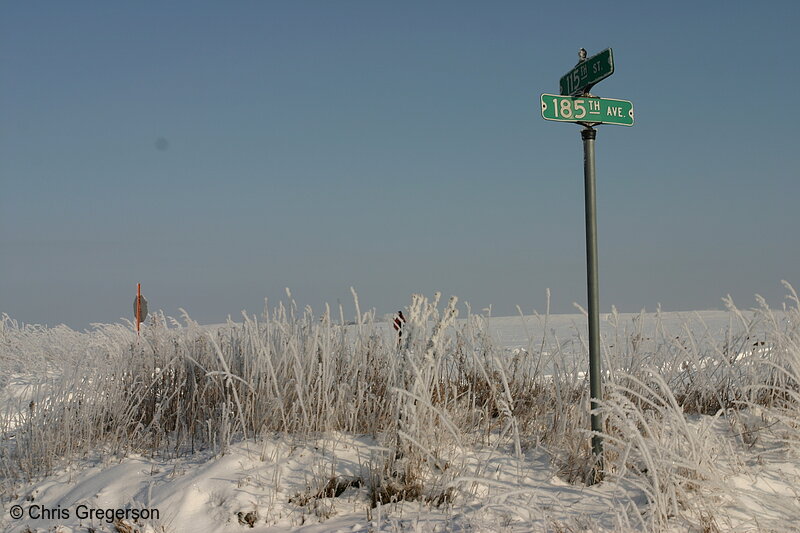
587 110
587 73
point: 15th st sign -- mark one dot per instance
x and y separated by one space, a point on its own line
587 110
587 72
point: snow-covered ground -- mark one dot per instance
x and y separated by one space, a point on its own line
734 469
273 480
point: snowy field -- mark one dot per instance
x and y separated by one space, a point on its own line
301 421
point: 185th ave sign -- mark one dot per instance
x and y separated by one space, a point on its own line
587 73
587 110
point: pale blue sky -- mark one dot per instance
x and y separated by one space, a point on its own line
218 152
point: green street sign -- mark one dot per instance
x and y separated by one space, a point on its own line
587 73
587 110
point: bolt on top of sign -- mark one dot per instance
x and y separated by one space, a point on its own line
575 104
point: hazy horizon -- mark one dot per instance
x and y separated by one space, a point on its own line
220 153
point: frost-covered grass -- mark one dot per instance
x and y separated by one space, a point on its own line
690 413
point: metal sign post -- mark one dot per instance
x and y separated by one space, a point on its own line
593 285
576 105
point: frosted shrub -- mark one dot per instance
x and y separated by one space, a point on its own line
651 442
180 387
681 463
